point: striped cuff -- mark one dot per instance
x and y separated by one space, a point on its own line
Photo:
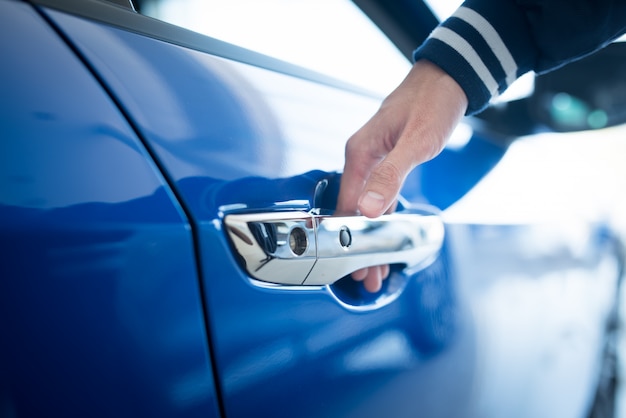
469 48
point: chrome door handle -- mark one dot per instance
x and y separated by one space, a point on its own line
301 248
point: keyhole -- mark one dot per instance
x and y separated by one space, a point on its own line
298 241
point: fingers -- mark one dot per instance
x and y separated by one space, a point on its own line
384 183
360 275
374 280
384 271
372 277
352 182
363 152
373 283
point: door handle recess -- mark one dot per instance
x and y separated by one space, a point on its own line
300 248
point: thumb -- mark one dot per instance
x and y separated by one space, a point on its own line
384 184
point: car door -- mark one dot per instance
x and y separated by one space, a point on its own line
241 136
100 312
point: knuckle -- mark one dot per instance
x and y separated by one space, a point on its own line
353 148
350 145
387 174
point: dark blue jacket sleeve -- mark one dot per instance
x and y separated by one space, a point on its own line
487 44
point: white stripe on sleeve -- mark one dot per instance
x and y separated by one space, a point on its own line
460 45
493 39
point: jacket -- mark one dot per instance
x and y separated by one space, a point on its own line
487 44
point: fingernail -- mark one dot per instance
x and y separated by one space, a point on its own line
372 202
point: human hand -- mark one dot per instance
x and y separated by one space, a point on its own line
412 126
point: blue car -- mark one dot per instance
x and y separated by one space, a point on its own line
169 247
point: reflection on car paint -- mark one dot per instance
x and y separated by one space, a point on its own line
98 281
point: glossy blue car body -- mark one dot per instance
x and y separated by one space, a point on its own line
124 143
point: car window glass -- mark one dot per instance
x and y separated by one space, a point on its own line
329 36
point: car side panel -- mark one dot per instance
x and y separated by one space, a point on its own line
100 310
